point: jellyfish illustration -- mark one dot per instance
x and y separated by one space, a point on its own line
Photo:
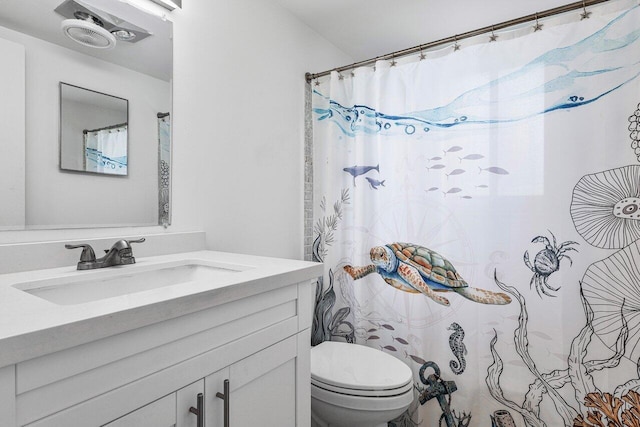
612 288
606 207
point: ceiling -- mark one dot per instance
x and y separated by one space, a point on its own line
365 29
151 56
362 29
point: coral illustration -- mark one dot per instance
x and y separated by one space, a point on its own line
325 323
606 207
461 420
327 225
634 131
577 375
502 418
607 410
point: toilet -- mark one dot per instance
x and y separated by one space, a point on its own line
357 386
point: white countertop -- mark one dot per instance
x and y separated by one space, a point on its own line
31 326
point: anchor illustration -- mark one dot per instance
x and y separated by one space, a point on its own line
441 390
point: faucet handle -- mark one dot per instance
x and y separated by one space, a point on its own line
87 252
125 251
124 244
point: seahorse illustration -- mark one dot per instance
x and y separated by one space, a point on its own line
458 348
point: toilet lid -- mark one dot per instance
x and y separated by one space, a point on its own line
357 367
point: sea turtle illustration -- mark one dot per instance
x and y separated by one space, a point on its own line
416 269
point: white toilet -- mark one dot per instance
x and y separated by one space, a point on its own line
357 386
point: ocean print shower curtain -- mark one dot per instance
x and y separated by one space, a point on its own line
478 215
105 150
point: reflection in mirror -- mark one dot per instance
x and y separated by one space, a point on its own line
164 151
36 56
93 131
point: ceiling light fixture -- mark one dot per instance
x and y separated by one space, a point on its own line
169 4
124 35
147 6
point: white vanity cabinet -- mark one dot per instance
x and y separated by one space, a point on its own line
173 410
161 413
151 376
261 389
261 392
186 400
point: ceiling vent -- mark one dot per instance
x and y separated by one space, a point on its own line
88 33
90 26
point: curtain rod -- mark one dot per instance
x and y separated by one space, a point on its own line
121 125
485 30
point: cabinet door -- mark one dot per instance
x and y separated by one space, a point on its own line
187 398
262 389
269 400
161 413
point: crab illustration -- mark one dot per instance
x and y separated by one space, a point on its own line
416 269
547 262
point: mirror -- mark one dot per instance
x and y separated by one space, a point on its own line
93 131
39 170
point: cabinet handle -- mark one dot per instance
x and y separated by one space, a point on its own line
199 410
225 397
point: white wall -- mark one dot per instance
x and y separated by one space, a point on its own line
54 197
239 122
238 118
12 135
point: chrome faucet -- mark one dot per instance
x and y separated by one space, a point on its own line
119 254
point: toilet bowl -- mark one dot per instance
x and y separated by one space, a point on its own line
357 386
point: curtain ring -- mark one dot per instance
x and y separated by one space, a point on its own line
393 61
353 74
584 15
456 46
422 55
493 36
538 25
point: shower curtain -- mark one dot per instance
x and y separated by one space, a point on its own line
106 150
477 211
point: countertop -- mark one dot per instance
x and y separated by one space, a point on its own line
31 326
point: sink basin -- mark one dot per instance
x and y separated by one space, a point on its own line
110 282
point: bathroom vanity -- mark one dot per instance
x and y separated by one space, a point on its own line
192 339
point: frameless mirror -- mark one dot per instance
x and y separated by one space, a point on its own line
93 131
128 60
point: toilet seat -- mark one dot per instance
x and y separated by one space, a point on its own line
362 403
362 392
357 370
